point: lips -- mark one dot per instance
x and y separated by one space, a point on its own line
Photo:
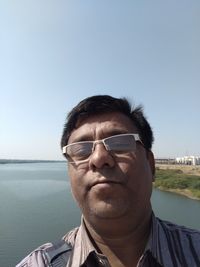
104 182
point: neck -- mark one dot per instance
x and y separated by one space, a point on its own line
122 244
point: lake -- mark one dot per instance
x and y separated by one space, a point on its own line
36 206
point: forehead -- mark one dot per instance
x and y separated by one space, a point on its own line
102 125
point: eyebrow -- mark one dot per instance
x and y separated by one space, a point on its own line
88 137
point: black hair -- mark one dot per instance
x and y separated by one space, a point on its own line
99 104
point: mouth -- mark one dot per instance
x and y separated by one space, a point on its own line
105 183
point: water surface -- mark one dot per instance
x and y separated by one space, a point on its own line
36 206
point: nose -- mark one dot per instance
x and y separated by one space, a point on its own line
101 157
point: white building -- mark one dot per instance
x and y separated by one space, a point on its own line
188 160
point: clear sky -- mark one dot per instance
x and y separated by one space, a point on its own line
55 53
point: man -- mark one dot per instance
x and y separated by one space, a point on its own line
111 168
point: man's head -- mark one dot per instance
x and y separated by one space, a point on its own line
110 184
101 104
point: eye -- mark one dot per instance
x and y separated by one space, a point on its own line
80 150
121 143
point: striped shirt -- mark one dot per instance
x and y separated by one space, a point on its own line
169 245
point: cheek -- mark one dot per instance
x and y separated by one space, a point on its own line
127 163
145 178
75 174
139 174
77 184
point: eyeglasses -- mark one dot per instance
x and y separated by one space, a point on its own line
80 151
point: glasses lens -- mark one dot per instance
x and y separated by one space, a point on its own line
121 143
80 151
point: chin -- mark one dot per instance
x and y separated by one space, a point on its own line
108 211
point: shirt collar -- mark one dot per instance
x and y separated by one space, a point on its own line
82 245
157 245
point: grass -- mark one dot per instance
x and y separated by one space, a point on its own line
176 180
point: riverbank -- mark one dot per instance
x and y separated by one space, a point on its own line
179 179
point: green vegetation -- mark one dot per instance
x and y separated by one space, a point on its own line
177 181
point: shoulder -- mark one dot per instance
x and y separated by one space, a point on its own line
38 257
184 240
174 244
179 229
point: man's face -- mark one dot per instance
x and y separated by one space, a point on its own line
110 186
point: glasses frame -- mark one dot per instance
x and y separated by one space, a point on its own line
101 141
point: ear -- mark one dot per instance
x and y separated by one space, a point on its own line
151 160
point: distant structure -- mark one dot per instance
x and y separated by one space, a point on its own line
165 161
188 160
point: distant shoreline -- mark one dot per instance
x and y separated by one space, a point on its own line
20 161
179 179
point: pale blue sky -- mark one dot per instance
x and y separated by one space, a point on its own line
55 53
